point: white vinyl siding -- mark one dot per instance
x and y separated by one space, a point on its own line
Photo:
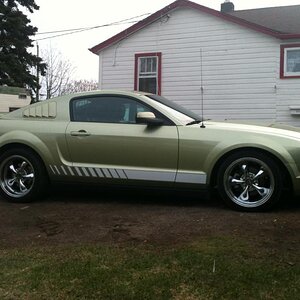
288 95
240 67
8 101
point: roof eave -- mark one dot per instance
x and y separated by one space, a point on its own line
119 37
185 3
289 36
136 27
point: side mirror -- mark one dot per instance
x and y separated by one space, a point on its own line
149 118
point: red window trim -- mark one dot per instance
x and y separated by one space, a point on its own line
282 47
136 65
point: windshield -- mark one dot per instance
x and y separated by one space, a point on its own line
175 106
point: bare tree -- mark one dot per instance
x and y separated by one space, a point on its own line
76 86
58 73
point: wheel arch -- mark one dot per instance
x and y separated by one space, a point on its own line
10 146
217 165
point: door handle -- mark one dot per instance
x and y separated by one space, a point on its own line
80 133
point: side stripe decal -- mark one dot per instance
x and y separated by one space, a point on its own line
106 173
63 169
92 172
191 177
52 169
85 172
150 175
121 173
183 177
70 170
99 173
78 171
56 168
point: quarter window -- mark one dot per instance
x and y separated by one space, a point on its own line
290 61
148 73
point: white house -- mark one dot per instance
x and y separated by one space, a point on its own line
12 98
243 64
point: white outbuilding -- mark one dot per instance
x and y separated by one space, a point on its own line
236 65
12 98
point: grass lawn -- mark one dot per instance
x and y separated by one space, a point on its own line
223 268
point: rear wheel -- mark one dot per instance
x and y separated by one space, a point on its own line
22 175
250 181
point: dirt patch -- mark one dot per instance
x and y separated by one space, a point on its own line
70 215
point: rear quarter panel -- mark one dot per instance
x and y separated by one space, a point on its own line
46 136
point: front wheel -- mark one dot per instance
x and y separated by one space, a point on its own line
250 181
22 175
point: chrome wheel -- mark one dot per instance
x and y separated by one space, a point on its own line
17 176
249 182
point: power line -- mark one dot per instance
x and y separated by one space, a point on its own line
77 30
57 31
74 29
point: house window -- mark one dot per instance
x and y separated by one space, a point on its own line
22 96
290 61
147 77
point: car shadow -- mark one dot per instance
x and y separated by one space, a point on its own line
131 195
145 196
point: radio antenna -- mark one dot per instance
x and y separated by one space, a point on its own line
202 90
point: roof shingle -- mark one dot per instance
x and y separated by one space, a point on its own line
282 19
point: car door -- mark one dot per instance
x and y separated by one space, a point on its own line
105 141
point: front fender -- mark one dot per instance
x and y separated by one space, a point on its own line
276 149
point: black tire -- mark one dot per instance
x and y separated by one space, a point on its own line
23 177
250 180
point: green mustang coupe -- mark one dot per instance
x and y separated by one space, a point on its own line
113 137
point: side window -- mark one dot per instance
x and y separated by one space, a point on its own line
290 61
80 110
109 109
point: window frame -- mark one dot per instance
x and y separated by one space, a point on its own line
167 121
283 59
136 69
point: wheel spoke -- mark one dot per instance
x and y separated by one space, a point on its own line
261 190
31 175
22 186
23 166
12 168
259 173
244 196
237 181
244 168
11 182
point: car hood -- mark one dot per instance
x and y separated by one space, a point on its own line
274 129
284 127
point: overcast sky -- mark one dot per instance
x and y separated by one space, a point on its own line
68 14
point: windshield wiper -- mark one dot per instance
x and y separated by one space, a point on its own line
193 122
